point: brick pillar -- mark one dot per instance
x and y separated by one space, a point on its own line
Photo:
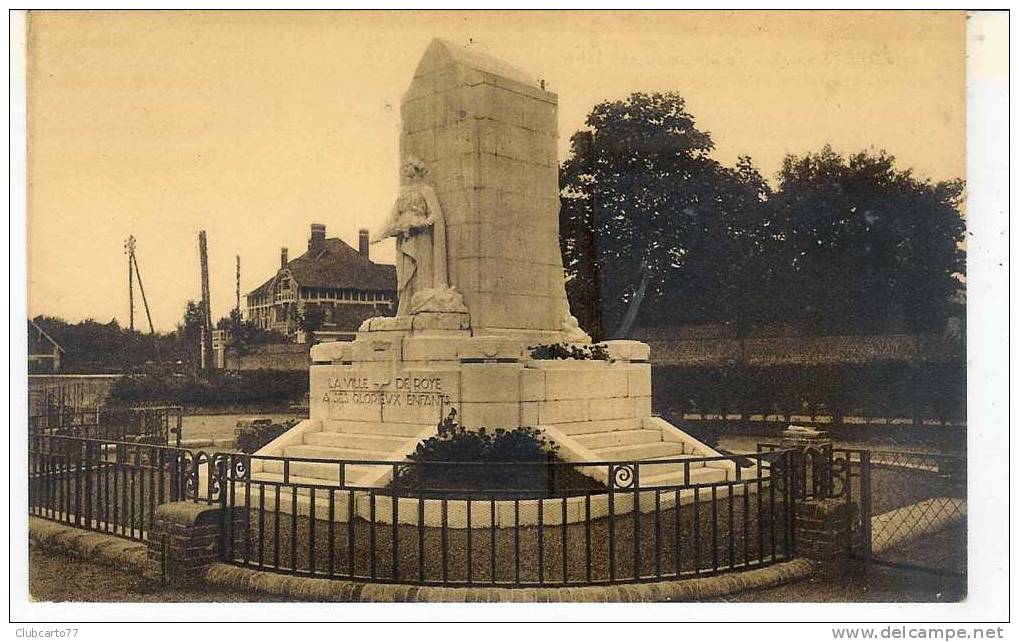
824 532
812 473
186 538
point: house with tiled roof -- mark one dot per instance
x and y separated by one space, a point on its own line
332 280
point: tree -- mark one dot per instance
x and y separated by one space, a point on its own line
309 320
867 243
93 347
242 335
635 193
190 333
735 267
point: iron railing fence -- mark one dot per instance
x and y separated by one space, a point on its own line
155 425
570 533
110 486
916 508
911 505
53 406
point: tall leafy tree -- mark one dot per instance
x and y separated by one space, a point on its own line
732 272
635 192
866 242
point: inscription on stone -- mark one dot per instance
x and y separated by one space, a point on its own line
410 390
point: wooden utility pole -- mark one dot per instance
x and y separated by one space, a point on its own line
129 251
238 284
203 254
141 288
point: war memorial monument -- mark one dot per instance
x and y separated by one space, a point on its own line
481 283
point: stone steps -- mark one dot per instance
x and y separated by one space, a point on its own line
640 451
306 451
637 440
357 441
597 440
675 476
377 429
578 428
322 472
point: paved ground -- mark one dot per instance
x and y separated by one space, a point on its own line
222 426
54 577
871 584
57 578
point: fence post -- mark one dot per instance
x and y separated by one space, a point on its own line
865 505
791 491
226 519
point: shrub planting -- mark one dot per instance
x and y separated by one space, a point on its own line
478 460
563 350
250 441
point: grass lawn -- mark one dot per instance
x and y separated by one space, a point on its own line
53 577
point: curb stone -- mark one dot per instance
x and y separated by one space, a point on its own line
114 551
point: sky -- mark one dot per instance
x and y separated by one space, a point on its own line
253 125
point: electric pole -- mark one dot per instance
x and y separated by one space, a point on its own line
203 255
238 285
129 251
133 271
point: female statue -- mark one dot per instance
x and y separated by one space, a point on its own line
417 224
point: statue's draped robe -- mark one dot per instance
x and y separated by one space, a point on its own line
421 253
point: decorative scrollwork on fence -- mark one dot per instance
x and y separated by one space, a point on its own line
840 471
240 466
185 465
623 476
193 483
778 472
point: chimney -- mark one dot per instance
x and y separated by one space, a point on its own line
283 257
317 241
362 242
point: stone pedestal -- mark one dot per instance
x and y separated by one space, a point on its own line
393 377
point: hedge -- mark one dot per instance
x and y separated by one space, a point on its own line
885 389
212 389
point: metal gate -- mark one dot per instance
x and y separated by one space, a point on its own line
912 507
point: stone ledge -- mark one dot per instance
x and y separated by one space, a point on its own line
327 590
96 547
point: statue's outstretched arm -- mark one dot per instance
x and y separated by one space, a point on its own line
388 228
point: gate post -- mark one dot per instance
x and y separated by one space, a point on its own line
822 524
824 532
811 461
188 537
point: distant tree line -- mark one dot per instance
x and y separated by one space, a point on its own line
94 347
656 232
